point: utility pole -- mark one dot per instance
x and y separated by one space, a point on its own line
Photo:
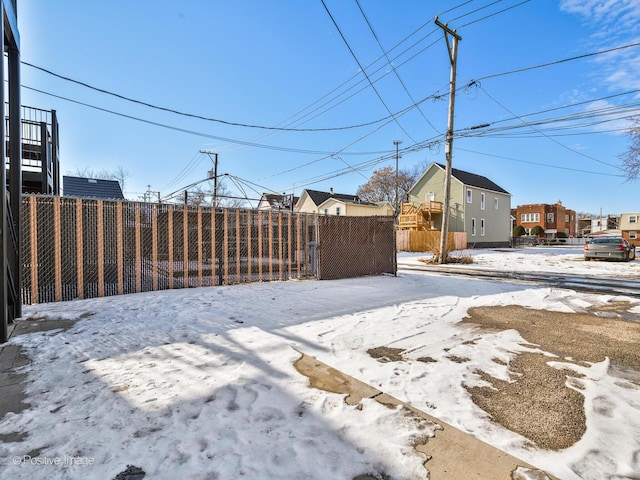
453 58
214 201
396 211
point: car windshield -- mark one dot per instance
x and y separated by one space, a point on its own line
606 240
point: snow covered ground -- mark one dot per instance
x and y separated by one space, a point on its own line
199 383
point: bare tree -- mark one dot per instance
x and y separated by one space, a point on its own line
631 158
382 185
120 174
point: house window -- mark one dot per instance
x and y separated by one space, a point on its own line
495 203
337 210
633 235
469 195
482 227
326 211
550 217
633 219
481 200
566 218
530 217
473 227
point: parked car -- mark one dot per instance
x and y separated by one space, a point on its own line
609 248
529 240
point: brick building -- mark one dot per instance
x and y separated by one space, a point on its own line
553 218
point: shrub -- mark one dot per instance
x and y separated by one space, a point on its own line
537 230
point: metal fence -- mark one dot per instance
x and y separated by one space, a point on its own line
82 248
355 246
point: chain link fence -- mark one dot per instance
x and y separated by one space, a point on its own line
355 246
76 248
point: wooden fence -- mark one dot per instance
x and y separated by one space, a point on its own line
84 248
428 241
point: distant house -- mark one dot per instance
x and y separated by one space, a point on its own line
552 218
478 206
91 188
330 203
273 201
630 227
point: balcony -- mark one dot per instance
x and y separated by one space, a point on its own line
419 217
40 154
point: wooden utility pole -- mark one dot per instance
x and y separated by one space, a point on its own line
215 175
395 207
448 149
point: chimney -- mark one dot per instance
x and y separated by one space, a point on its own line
331 190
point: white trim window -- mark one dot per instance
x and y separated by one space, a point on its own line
469 195
481 200
473 227
633 235
482 227
633 219
530 217
495 203
550 217
337 210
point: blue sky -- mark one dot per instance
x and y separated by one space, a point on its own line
555 132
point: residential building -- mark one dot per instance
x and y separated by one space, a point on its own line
605 224
11 191
39 150
330 203
552 218
92 188
275 202
478 206
630 227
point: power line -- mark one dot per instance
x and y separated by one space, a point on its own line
363 70
542 164
201 117
557 62
395 71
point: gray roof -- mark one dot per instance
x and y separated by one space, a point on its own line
319 197
473 180
91 188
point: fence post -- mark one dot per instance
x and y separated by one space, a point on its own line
138 249
238 252
120 248
185 245
249 249
260 245
225 246
155 210
170 244
199 246
33 226
270 245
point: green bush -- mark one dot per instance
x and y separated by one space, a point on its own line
518 231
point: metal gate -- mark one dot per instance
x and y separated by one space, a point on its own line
355 246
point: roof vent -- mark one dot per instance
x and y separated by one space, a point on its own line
92 180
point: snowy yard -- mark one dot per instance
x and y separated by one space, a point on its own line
200 384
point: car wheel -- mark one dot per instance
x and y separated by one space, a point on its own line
586 259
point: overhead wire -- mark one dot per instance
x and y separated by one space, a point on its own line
390 63
355 57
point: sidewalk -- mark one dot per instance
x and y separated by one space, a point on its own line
11 358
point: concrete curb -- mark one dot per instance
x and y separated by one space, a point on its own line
452 454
